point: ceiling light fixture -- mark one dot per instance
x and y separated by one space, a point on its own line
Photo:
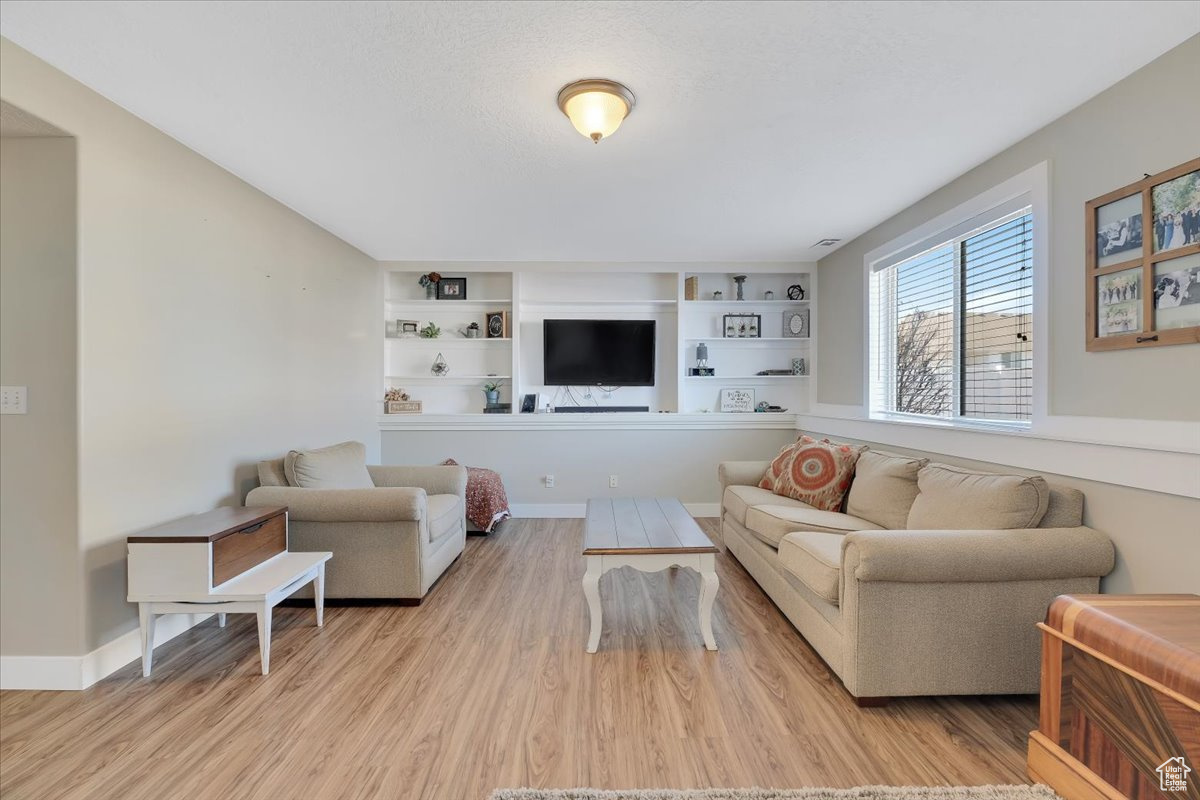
596 107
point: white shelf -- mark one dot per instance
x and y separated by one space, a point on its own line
457 341
635 420
599 305
447 305
744 377
723 304
446 378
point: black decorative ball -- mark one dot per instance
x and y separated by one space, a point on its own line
795 292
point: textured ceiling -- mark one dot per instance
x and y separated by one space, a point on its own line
429 130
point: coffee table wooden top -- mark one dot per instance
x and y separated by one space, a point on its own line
641 526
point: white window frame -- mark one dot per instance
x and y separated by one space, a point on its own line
1029 188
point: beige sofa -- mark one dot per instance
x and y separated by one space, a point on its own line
899 612
388 542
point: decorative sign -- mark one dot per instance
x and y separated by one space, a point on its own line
737 400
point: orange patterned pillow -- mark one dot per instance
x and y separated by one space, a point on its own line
816 473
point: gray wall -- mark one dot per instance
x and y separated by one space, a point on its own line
216 327
39 557
1148 122
672 463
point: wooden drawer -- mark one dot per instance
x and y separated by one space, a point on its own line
237 552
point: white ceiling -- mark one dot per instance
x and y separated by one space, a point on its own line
429 131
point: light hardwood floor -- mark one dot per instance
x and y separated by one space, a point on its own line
487 685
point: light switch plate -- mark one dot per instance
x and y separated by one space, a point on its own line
13 400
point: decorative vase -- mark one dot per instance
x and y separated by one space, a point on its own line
493 397
431 291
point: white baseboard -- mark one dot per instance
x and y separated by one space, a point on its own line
67 673
579 510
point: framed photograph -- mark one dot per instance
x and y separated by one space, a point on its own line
452 289
497 325
742 326
737 401
1177 293
1142 262
795 324
1119 231
407 328
1177 212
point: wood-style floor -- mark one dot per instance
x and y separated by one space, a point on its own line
487 685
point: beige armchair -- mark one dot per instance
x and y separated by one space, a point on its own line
390 542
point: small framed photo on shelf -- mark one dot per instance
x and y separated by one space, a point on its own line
452 289
742 326
795 324
737 400
497 324
407 328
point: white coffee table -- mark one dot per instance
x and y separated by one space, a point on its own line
649 534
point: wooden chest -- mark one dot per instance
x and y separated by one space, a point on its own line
197 554
1120 702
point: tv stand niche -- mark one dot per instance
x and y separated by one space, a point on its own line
597 409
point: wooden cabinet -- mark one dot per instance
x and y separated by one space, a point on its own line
1120 703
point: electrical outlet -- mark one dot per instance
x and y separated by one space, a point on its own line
14 400
549 480
612 481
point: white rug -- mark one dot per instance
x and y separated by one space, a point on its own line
861 793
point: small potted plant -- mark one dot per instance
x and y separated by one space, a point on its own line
491 391
430 331
430 281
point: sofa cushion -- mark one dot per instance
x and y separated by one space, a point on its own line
816 473
270 473
953 498
772 523
1064 509
739 499
884 488
445 513
339 466
815 559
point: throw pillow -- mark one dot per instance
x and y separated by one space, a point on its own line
339 466
816 473
884 488
953 498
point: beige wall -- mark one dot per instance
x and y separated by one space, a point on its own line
217 327
39 558
1142 124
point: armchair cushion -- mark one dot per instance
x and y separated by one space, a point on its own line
270 473
445 513
773 523
953 498
434 480
339 466
815 559
884 488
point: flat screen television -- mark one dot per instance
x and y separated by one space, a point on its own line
599 352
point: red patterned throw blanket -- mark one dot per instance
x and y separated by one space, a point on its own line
487 503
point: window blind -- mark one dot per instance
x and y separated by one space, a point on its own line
951 327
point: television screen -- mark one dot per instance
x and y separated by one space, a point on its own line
599 352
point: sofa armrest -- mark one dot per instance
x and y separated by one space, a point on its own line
741 473
343 505
434 480
977 556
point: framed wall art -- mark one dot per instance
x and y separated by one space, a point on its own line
1142 262
742 326
739 400
452 289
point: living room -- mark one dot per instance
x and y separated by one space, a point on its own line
795 361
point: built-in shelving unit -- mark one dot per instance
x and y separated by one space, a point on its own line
529 297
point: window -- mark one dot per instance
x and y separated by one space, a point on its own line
952 326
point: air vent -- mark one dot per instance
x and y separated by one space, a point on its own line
827 243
